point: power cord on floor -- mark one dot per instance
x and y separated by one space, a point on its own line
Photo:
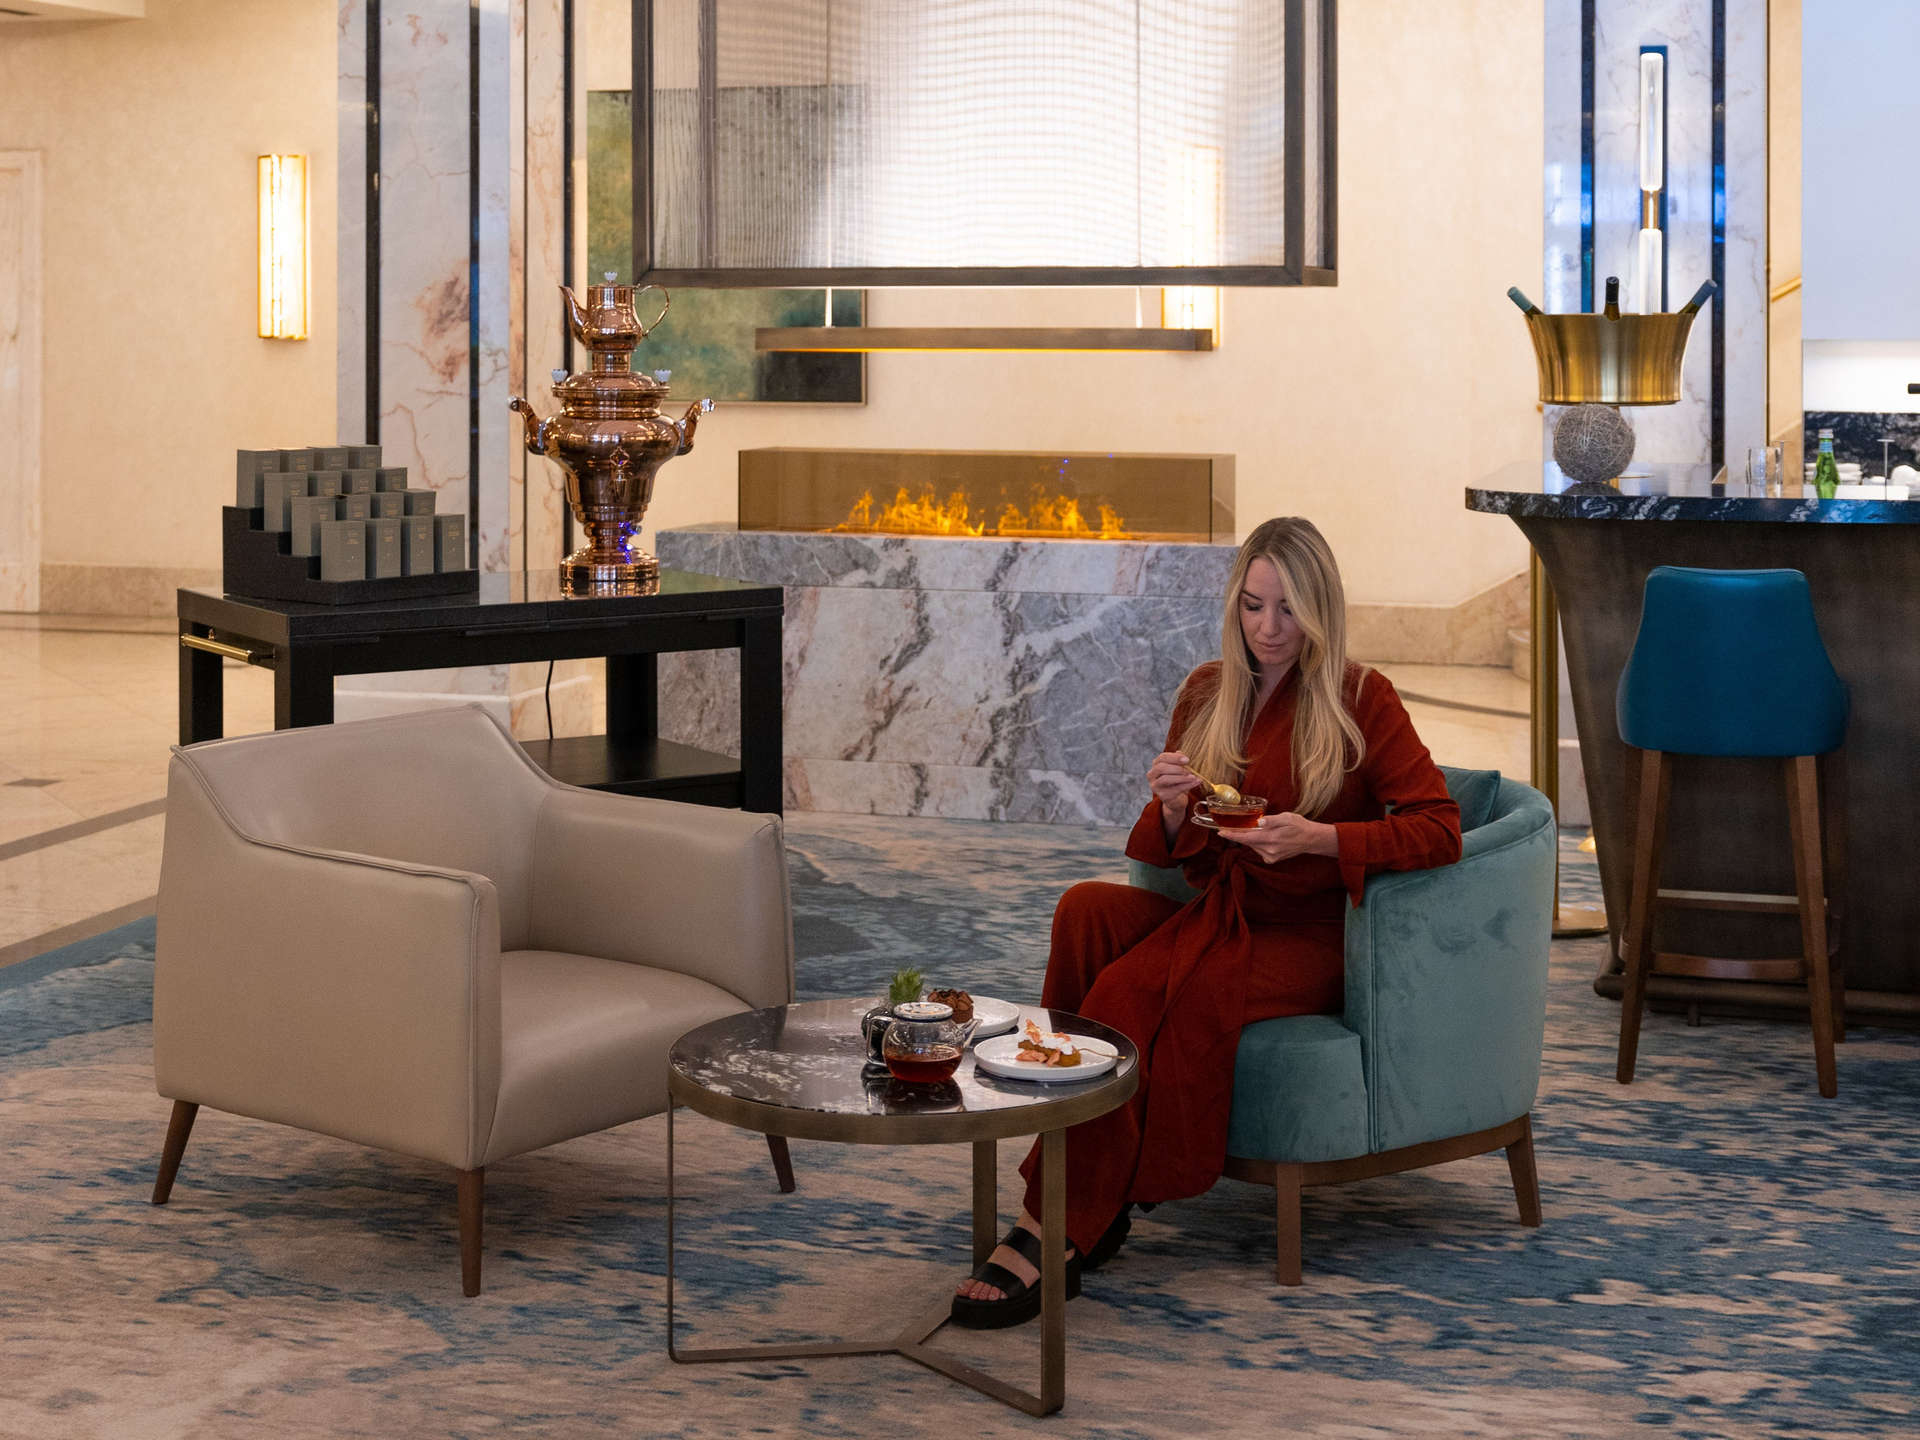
549 699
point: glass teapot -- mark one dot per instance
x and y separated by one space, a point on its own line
924 1043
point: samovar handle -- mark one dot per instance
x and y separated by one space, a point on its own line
666 304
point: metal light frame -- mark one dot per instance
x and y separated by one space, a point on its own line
1294 272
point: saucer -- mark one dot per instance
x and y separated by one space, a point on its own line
993 1017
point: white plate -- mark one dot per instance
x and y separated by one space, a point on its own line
996 1057
996 1017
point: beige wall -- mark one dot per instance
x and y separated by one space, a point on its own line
154 376
1368 407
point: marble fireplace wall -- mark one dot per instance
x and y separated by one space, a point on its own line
978 678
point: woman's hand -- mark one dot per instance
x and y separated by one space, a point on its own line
1281 837
1171 781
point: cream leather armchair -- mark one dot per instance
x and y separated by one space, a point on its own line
401 932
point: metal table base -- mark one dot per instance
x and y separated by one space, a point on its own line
911 1342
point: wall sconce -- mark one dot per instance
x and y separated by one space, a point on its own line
1651 261
283 247
1197 185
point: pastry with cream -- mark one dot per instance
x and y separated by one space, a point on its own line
1040 1047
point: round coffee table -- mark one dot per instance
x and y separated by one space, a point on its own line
798 1071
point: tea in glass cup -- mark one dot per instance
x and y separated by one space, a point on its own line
1242 816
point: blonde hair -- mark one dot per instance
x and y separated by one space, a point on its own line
1327 742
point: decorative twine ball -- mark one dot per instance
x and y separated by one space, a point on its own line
1592 443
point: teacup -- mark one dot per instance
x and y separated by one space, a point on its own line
1242 816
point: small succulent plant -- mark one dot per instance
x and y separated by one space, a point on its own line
904 987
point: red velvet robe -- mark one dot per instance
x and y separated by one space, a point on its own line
1262 940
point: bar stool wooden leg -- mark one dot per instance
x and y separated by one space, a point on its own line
1649 839
1803 816
1833 830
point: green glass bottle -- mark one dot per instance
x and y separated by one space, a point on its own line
1826 471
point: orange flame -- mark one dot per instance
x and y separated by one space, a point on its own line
1046 515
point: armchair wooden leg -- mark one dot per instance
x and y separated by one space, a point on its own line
472 1217
782 1162
179 1127
1526 1182
1636 946
1286 1215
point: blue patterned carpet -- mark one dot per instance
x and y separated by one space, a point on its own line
1724 1253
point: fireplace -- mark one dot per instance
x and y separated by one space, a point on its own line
1044 495
985 635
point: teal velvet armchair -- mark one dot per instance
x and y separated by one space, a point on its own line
1437 1055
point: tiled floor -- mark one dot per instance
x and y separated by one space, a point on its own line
89 710
90 707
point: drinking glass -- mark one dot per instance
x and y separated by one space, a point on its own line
1764 471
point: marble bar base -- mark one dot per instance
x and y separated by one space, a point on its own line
980 678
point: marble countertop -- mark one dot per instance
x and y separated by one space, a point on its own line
1671 492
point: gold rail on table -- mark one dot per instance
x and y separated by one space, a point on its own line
230 652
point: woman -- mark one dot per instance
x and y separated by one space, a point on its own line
1285 715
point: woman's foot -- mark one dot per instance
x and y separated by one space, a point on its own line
1000 1294
1010 1260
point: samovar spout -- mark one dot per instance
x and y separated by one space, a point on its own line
686 423
536 427
576 315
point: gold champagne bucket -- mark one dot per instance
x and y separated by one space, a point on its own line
1623 360
1610 358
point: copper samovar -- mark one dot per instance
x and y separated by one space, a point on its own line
611 440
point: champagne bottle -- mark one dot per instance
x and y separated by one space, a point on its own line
1612 312
1826 471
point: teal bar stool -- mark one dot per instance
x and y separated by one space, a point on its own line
1730 662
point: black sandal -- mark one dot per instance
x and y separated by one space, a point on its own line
1019 1302
1108 1245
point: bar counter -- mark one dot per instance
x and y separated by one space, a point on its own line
1728 818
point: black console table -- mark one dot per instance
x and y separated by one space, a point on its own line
515 617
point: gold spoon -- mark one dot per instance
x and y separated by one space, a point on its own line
1225 794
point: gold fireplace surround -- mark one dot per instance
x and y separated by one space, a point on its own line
1007 494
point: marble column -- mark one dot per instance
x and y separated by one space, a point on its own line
451 92
535 485
1674 433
